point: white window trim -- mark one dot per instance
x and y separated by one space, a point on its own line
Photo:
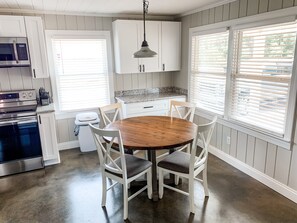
49 34
269 18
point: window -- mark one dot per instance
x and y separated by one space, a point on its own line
81 67
257 74
208 71
261 75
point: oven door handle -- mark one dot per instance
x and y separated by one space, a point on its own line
18 122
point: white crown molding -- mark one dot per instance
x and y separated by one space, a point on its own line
112 15
205 8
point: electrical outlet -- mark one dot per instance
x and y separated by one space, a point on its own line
228 140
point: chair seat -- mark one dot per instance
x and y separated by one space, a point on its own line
134 165
177 161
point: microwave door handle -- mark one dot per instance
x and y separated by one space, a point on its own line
15 51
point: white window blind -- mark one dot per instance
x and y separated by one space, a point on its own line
208 71
261 75
81 71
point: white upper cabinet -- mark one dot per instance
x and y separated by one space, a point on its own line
12 26
171 46
128 36
37 49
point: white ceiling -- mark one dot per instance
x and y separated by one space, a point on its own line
115 7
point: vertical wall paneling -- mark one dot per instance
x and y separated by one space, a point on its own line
194 20
199 18
134 78
71 23
241 146
242 8
250 150
99 23
205 17
127 81
260 155
71 126
270 160
15 78
263 6
274 5
149 80
225 143
282 165
219 14
90 23
233 145
142 81
219 136
293 176
27 79
234 10
156 80
119 82
61 22
288 3
107 23
295 2
211 17
252 7
226 12
81 23
63 130
50 22
5 83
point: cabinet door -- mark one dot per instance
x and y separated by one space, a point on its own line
125 45
171 46
153 37
12 26
47 131
36 42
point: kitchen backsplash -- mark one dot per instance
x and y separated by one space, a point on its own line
151 91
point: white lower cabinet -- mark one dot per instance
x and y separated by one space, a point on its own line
156 107
48 137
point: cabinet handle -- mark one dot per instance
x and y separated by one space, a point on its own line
34 73
139 68
143 70
15 51
163 67
148 106
39 119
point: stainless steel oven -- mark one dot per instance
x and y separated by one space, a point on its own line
20 146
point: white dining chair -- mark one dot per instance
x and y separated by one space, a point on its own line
123 169
183 110
188 165
110 113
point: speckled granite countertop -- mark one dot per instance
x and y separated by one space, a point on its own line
46 108
148 97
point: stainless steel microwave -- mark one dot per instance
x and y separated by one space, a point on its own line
14 52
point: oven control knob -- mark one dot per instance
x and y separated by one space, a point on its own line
24 95
30 94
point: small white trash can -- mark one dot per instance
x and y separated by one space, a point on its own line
85 137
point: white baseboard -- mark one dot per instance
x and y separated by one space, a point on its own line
68 145
261 177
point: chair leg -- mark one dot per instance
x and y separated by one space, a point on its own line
176 180
125 197
149 184
103 201
161 179
205 186
191 194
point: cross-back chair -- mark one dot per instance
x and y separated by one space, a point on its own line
106 113
188 165
123 169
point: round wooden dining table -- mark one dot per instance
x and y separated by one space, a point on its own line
153 133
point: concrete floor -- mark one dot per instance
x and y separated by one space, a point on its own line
71 192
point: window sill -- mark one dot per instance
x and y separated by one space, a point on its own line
279 141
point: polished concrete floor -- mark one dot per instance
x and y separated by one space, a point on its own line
71 192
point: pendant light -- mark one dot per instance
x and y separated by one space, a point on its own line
144 51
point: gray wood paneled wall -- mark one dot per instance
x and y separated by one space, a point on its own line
273 161
21 78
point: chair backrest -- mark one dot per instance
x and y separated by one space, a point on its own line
187 106
110 117
107 160
204 133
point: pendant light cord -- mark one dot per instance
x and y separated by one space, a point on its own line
145 10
